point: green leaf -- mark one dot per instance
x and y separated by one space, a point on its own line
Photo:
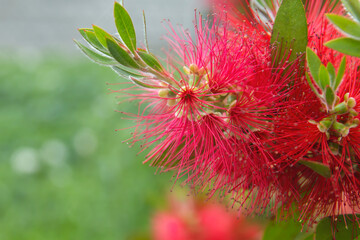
98 58
353 7
329 96
332 73
348 46
340 73
125 26
290 29
317 167
349 230
145 84
311 84
324 77
314 63
346 25
120 54
125 72
101 35
284 230
89 35
150 60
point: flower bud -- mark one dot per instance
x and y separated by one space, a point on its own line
186 70
194 68
353 113
351 102
341 129
341 108
171 102
163 93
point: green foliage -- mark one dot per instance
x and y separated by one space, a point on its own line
353 7
314 63
345 228
125 26
120 55
102 36
349 45
94 56
346 25
323 76
150 60
340 73
290 30
286 230
317 167
345 45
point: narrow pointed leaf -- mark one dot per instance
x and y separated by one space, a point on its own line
324 77
311 84
98 58
145 33
144 84
353 7
101 35
314 63
89 35
329 96
120 54
348 46
332 73
125 26
344 230
317 167
290 28
150 60
340 73
345 25
126 72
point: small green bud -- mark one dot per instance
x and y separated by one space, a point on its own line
345 132
186 70
171 102
341 108
346 97
163 93
202 71
351 103
341 129
326 123
354 123
322 128
353 113
194 68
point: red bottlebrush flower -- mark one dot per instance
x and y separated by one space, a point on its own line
194 220
167 226
211 120
317 141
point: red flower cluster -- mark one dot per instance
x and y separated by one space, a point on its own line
193 220
308 134
233 120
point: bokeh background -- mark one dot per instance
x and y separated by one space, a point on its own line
65 172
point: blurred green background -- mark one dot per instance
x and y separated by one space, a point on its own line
65 173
